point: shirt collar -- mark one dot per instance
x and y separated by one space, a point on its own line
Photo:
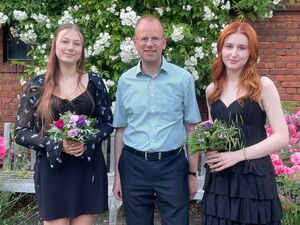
164 67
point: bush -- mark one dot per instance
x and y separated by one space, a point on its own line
192 28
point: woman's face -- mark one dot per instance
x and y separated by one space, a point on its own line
235 51
69 46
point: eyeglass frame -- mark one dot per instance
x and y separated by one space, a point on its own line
145 40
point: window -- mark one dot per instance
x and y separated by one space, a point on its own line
14 48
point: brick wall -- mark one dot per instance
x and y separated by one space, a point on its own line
279 59
9 88
280 51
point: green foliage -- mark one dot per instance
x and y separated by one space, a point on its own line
289 189
196 22
289 107
12 207
214 136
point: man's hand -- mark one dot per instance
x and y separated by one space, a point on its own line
117 188
193 186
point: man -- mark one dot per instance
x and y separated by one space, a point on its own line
156 109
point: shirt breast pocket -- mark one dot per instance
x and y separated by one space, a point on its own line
170 111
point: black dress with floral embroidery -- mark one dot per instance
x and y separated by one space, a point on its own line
67 186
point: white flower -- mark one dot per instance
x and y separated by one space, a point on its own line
40 18
214 49
199 53
28 37
128 51
3 19
14 32
187 7
113 57
76 7
66 18
268 15
213 26
208 14
200 40
22 81
168 9
94 69
217 2
192 61
108 84
128 17
112 8
39 70
160 11
193 71
226 6
99 46
275 2
177 34
20 15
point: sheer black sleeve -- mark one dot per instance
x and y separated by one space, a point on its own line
103 113
27 125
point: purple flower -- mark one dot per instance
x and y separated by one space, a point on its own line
72 133
81 122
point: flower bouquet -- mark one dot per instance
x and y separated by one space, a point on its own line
73 127
214 136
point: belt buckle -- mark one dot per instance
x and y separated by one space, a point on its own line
159 156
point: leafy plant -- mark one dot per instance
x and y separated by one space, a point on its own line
192 28
287 167
15 208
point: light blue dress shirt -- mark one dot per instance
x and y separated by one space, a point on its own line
155 109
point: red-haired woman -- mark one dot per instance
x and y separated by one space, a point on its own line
70 177
242 189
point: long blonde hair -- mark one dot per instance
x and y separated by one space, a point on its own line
249 78
51 76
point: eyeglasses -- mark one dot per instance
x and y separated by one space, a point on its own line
154 40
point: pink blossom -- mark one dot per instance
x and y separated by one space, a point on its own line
282 170
295 168
269 131
2 148
293 130
59 124
289 119
295 158
74 118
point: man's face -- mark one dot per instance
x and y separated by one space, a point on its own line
149 41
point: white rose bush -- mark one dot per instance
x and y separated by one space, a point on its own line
192 28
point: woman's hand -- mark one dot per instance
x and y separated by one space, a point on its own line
219 161
74 148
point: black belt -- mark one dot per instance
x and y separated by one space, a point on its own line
152 155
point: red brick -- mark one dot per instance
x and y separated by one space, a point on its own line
280 71
280 78
292 52
291 84
291 78
296 97
291 90
281 52
280 65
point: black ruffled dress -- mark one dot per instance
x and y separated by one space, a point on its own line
246 193
67 186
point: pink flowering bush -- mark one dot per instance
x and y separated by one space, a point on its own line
287 160
2 148
286 163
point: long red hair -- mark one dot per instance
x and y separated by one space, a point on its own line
249 78
51 76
